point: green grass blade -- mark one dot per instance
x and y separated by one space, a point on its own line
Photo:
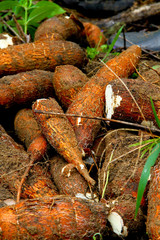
145 175
155 114
142 143
144 152
113 43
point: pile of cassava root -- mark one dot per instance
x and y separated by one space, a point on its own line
56 195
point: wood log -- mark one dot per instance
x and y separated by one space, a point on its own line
129 16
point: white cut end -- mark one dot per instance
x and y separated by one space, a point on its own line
68 171
5 41
81 195
117 224
112 101
89 197
79 121
92 197
82 166
9 202
67 17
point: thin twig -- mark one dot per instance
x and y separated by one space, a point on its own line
19 28
12 30
136 163
152 68
99 119
24 177
139 73
139 147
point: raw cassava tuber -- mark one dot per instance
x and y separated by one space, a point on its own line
13 162
127 108
94 35
23 88
67 81
59 28
90 99
60 217
44 55
29 133
38 184
153 214
59 133
71 184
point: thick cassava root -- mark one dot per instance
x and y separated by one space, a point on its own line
59 28
14 160
153 215
23 88
135 104
71 184
67 82
44 55
94 35
53 218
90 99
60 134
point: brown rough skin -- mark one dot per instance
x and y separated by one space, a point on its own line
67 81
26 126
39 184
44 55
70 184
153 215
94 35
59 217
13 162
58 28
59 133
23 88
142 92
28 131
90 99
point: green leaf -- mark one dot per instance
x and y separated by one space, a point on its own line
145 175
44 9
25 3
104 47
92 52
5 5
155 114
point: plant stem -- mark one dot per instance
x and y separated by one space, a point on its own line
25 20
